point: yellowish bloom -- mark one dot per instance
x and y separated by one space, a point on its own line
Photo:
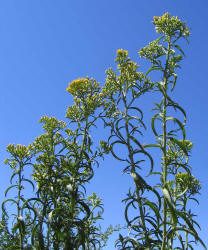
121 52
76 85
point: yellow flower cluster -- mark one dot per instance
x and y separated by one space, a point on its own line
170 25
77 85
121 52
19 151
152 50
87 98
121 56
51 123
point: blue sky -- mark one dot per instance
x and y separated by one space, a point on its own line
45 44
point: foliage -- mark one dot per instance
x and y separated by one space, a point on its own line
62 160
162 218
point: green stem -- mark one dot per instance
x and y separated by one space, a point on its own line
18 204
84 138
164 173
186 234
133 170
165 165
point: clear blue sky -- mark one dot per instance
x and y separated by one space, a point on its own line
44 44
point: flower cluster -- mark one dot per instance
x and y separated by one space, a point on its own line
77 86
127 74
20 151
74 113
186 181
37 176
170 25
105 146
81 87
152 51
52 124
121 55
87 98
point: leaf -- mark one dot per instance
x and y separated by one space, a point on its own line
143 151
156 173
169 118
126 211
10 188
137 109
15 227
154 208
188 231
34 230
3 204
168 197
174 82
152 146
118 129
153 124
138 119
182 193
180 239
86 208
13 175
112 145
184 217
194 199
25 204
179 48
171 205
152 69
176 106
29 181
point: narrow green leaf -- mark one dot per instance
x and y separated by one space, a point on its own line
153 124
29 181
152 69
171 205
3 204
10 188
170 118
179 48
112 151
154 208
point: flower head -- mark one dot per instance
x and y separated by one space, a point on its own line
77 86
186 181
121 55
170 25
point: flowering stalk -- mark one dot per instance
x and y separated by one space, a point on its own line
165 59
20 157
126 123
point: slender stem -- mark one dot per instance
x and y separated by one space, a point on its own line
164 173
165 165
18 204
84 141
186 234
133 170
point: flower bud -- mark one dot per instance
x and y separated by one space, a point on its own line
134 176
50 216
69 187
20 218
